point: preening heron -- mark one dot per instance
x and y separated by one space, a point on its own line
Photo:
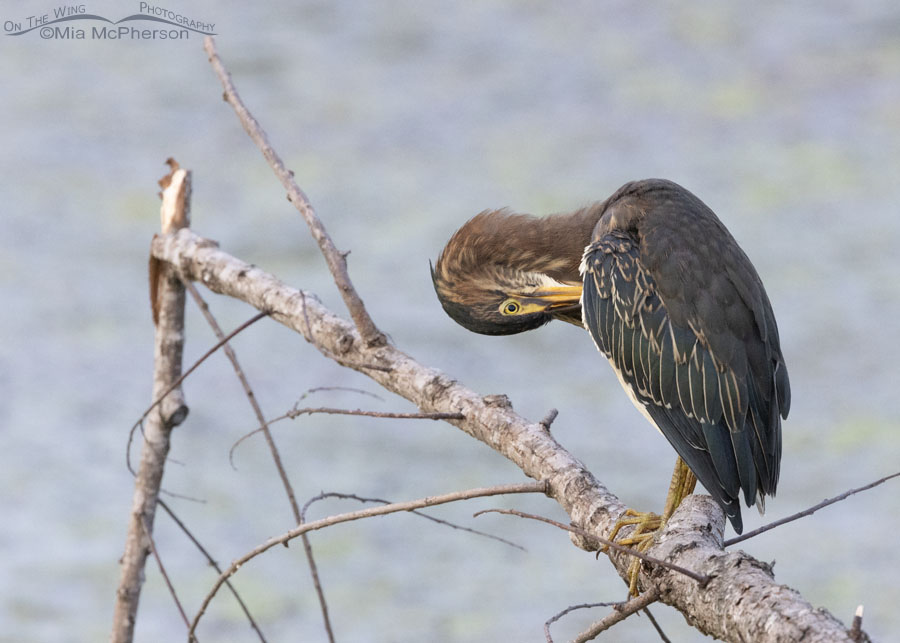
674 304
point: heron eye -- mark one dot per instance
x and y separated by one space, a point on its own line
510 307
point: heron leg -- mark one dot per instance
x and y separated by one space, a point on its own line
681 486
648 524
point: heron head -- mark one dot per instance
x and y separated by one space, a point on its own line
491 282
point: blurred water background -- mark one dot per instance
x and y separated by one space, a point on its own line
401 120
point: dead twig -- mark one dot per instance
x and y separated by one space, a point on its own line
431 501
295 412
162 570
348 389
615 604
656 626
807 512
550 621
181 378
620 613
372 414
702 579
212 562
447 523
336 260
273 449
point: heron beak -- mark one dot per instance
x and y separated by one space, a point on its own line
556 298
563 302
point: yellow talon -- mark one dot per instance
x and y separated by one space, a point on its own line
645 521
649 524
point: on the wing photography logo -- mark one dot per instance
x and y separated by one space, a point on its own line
73 22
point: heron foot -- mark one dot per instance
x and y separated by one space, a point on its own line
647 524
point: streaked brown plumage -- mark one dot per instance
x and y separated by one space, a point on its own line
671 300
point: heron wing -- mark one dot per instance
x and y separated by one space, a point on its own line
708 284
710 412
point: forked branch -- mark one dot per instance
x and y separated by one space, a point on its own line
692 539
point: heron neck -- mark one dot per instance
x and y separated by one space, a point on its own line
557 241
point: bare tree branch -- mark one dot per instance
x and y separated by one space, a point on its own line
295 412
162 570
550 621
348 389
273 449
212 562
446 523
700 578
656 626
807 512
336 260
742 602
620 613
168 297
431 501
177 383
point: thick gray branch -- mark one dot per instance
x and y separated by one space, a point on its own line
168 305
741 603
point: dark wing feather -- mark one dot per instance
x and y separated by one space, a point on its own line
709 413
696 458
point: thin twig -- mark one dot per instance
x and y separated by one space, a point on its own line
336 261
620 613
447 523
806 512
295 412
182 496
571 608
702 579
214 565
178 381
431 501
273 449
656 626
137 425
348 389
162 570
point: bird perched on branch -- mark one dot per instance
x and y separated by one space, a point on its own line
674 304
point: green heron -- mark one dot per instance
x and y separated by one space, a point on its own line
674 304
